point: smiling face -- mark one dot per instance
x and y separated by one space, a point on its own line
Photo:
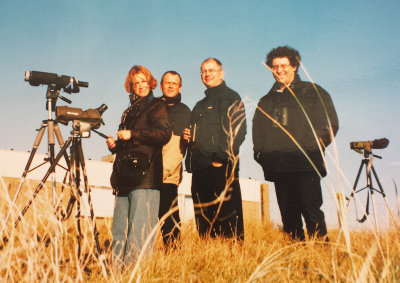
211 74
283 71
140 85
170 85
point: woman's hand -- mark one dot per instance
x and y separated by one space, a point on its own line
111 142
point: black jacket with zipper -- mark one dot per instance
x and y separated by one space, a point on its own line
274 149
220 123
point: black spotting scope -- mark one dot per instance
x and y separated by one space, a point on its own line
69 84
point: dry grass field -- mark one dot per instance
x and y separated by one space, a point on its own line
44 249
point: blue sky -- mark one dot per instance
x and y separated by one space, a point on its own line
350 48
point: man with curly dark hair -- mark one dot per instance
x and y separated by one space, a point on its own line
292 126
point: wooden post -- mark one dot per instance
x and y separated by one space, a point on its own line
264 203
341 212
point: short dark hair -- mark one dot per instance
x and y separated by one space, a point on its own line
172 73
212 59
284 51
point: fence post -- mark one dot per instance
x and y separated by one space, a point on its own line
341 212
264 203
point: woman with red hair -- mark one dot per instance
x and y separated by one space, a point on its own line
137 170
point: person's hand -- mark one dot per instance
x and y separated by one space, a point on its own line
111 142
216 164
124 135
186 134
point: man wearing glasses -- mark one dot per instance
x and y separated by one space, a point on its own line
218 128
292 126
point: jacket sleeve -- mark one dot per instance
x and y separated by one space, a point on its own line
259 130
233 115
325 118
182 121
158 132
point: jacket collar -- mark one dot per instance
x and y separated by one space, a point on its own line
215 90
276 87
171 101
134 99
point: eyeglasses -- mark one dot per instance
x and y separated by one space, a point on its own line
210 71
283 66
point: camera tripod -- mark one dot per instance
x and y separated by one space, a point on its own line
53 130
367 163
76 164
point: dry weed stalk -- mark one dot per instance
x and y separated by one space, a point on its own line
344 227
343 220
266 255
46 251
236 118
43 248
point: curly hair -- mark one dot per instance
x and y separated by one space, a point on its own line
136 70
284 51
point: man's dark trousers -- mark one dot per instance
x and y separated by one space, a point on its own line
224 220
168 200
299 193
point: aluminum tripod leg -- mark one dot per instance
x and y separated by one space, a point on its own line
26 170
46 176
52 128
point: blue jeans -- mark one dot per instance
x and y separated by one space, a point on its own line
135 216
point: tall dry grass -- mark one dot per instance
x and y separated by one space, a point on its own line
43 248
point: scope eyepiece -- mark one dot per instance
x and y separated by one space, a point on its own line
102 108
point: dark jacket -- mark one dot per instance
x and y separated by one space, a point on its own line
178 114
148 121
273 148
218 118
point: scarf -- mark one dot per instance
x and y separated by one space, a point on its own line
171 101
